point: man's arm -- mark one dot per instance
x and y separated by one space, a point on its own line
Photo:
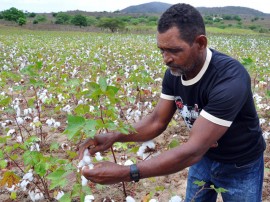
203 135
153 124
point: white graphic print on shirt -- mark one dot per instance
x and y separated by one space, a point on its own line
188 113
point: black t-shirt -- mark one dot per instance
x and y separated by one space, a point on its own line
221 93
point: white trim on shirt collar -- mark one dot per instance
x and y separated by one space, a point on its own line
201 73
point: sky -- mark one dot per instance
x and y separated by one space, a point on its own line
47 6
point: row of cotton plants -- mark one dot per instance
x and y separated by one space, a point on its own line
74 85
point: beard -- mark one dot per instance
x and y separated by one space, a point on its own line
179 70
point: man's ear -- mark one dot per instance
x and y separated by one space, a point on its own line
201 40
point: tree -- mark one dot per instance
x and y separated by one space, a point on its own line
79 20
112 24
91 20
21 21
32 15
62 18
13 14
41 18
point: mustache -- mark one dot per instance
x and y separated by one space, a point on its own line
172 65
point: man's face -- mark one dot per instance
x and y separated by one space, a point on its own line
178 55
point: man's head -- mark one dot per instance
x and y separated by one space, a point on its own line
182 41
186 18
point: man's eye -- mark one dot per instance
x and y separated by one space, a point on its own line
174 50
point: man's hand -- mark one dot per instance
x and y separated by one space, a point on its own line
107 173
100 143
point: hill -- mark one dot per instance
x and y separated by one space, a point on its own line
159 7
152 7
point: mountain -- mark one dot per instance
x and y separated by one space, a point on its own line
230 10
159 7
152 7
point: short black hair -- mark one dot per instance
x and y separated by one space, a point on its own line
186 18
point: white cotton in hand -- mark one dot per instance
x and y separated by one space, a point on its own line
81 164
86 153
84 181
98 156
87 160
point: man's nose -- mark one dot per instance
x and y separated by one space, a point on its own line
167 58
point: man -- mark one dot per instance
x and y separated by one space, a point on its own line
212 92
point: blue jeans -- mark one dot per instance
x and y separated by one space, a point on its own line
244 183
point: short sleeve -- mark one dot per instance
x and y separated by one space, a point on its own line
226 99
167 86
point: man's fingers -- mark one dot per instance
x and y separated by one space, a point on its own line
88 144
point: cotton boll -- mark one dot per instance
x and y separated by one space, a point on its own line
153 200
24 184
98 156
128 163
176 199
11 189
59 195
84 181
32 195
89 198
130 199
81 164
28 176
19 120
39 196
86 153
87 160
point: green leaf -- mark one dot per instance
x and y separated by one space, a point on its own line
199 183
65 198
173 143
86 190
218 190
54 146
5 102
75 124
76 190
1 154
40 168
103 84
57 178
57 174
159 188
81 109
3 164
13 195
71 154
